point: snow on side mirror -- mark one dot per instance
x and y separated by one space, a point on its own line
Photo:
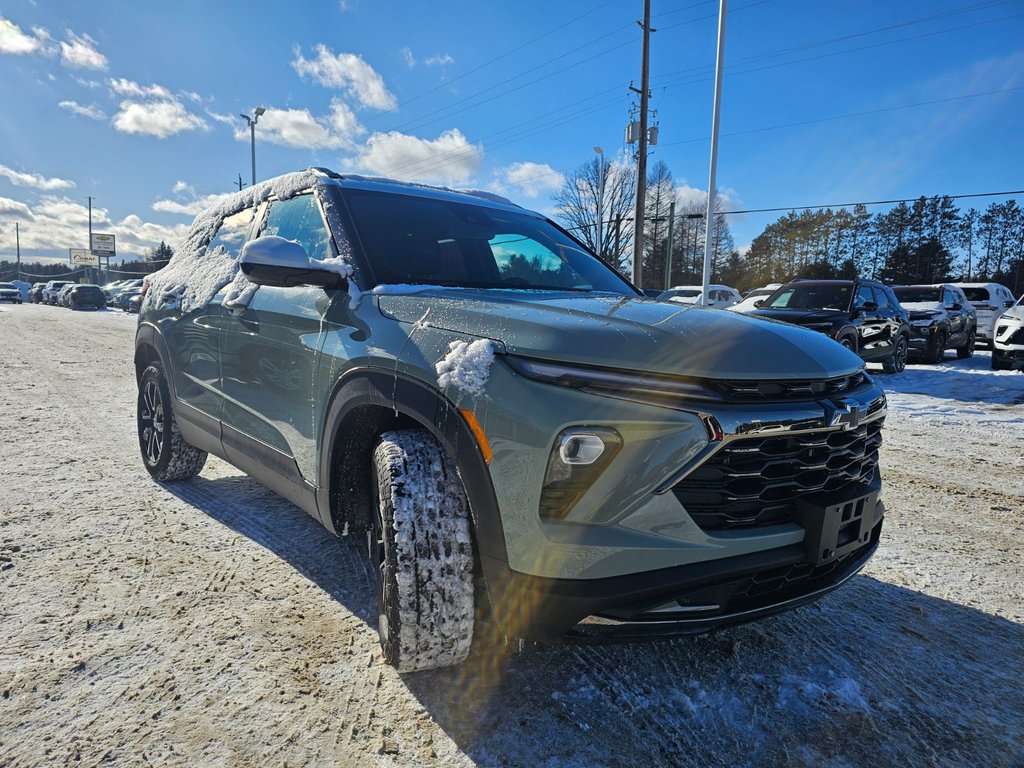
274 261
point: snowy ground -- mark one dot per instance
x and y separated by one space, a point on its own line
212 623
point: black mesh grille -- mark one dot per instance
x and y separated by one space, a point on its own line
755 481
1017 337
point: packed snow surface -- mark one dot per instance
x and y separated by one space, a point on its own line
466 366
212 623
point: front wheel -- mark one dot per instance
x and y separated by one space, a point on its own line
999 364
898 360
165 453
423 554
937 347
967 350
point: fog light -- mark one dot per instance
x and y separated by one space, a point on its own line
580 448
577 459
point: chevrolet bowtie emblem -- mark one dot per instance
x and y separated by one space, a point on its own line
845 415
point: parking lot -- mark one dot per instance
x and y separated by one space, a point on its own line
214 623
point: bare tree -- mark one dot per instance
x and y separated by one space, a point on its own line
580 198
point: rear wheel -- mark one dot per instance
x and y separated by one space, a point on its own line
898 360
423 553
165 453
967 350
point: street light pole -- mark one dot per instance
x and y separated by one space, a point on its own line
256 113
709 221
600 201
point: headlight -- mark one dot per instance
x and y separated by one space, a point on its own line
657 389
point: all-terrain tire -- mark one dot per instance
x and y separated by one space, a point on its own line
424 553
165 453
967 350
850 342
896 362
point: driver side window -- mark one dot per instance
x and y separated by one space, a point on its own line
864 295
299 219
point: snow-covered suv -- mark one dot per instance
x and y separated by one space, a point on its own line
1008 340
530 446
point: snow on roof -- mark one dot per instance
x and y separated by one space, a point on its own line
195 274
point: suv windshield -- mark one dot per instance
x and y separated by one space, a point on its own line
914 295
442 242
810 296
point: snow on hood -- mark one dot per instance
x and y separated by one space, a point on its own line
195 274
466 366
923 306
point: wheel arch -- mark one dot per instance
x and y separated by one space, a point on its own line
366 402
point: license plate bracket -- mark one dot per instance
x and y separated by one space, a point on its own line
838 527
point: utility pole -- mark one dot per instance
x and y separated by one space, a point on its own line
641 160
17 245
90 226
709 221
600 201
671 237
239 183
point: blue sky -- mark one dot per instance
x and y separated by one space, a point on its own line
136 104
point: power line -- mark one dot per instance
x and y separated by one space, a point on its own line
870 202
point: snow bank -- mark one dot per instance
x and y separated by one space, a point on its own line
466 366
195 274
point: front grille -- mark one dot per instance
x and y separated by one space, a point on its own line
755 481
791 389
1017 337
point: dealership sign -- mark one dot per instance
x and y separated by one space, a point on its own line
102 245
82 256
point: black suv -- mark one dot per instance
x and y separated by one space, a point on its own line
862 315
941 318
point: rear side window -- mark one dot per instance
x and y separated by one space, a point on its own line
232 231
882 298
977 295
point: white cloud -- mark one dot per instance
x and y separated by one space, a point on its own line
442 60
12 209
346 5
298 128
90 110
124 87
448 159
156 118
347 72
87 83
191 207
14 41
530 179
182 187
59 223
407 56
692 198
226 119
81 53
34 180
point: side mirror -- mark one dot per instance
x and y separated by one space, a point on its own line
956 306
274 261
867 306
1008 304
758 302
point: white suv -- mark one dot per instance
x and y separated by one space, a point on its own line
1008 341
720 296
990 300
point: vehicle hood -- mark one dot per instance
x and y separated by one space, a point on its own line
922 310
803 316
627 333
1015 312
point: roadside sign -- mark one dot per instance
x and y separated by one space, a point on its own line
82 256
102 245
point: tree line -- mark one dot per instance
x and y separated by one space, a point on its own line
930 240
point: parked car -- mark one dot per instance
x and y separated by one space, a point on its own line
10 292
520 435
35 293
114 295
52 289
754 298
990 300
941 318
124 298
86 297
62 294
133 303
862 315
720 296
1008 341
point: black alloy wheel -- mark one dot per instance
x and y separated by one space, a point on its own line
897 362
152 423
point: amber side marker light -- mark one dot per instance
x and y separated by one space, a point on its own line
478 433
